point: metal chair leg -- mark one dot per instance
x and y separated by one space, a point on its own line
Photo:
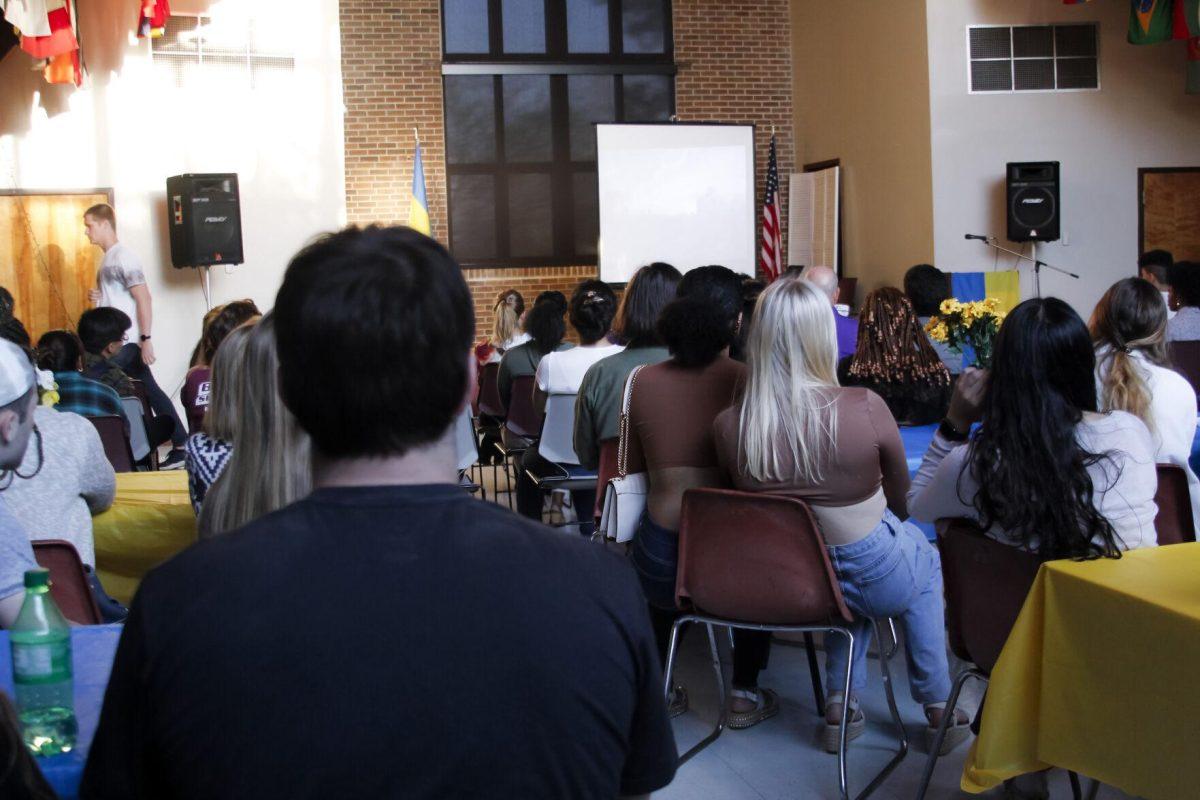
885 657
721 700
951 703
815 672
1076 792
843 788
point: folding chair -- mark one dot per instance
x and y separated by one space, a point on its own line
467 449
783 582
1185 358
115 440
68 581
1174 523
139 437
521 425
557 446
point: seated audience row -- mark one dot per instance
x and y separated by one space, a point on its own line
197 384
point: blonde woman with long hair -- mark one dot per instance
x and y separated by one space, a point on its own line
795 432
1128 329
271 463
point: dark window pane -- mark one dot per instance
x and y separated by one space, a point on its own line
472 216
524 26
587 26
470 119
590 98
1033 74
527 117
530 229
647 98
587 212
1033 42
1077 73
466 24
991 76
642 26
990 43
1074 40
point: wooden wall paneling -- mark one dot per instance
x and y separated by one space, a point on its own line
1171 212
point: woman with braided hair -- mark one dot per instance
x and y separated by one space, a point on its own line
895 360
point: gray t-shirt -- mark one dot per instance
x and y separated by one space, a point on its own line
16 554
120 271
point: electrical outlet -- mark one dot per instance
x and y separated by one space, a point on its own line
1066 239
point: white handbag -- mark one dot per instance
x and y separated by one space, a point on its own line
625 495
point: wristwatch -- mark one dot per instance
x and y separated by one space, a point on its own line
145 337
952 433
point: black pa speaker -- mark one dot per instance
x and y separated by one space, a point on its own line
1033 209
205 220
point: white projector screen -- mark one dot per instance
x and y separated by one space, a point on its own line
683 194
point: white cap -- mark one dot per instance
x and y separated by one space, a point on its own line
16 373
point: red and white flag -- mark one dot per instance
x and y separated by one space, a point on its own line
772 238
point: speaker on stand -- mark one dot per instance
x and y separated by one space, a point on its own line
205 221
1033 209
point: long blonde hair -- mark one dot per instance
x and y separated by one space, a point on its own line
506 326
224 406
271 464
791 353
1130 318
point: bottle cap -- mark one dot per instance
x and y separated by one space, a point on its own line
36 578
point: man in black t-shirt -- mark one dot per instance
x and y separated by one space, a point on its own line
389 636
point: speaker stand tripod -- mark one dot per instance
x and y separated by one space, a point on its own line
1032 259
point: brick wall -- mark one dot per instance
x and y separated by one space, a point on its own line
734 62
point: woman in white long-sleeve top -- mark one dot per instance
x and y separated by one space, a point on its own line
1045 471
1133 374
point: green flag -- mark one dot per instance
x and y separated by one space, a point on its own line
1150 21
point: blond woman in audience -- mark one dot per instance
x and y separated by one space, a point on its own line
795 432
271 465
1133 374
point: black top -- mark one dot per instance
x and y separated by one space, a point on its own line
386 642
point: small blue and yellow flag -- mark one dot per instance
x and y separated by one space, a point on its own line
418 206
1004 285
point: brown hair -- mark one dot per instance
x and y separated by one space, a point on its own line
1129 318
103 212
20 777
231 316
892 347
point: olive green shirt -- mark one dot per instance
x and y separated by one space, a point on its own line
520 361
598 404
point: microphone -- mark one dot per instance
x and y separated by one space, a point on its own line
975 236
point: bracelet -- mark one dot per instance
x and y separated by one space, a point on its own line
952 433
145 337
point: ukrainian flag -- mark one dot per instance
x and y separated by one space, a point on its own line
418 206
1004 285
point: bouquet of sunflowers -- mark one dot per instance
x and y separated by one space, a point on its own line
973 325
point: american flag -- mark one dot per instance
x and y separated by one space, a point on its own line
772 238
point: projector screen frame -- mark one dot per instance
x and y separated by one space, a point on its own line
692 123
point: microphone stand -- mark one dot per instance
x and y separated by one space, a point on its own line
990 241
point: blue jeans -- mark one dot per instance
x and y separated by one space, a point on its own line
655 556
129 359
894 572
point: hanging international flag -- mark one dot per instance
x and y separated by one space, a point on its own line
418 206
1187 19
772 237
1150 21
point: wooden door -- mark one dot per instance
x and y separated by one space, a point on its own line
46 260
1170 211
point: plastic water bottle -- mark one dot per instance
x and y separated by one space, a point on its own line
41 656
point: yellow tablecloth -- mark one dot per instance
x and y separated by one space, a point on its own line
150 521
1099 676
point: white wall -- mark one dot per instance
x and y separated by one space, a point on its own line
132 128
1140 118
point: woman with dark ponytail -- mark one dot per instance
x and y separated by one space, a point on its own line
1045 471
1133 374
671 414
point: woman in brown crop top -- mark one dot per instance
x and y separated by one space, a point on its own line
796 432
671 412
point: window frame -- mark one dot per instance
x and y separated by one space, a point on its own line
1054 57
558 65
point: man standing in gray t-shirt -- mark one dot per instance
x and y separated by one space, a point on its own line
18 397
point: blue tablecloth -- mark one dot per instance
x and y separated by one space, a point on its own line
92 649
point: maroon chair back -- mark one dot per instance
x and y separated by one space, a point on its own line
1185 357
606 471
1174 523
140 392
847 287
489 391
523 419
68 581
757 558
115 440
986 583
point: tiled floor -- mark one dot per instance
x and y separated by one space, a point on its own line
780 758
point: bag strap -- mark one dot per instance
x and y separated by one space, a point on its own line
623 426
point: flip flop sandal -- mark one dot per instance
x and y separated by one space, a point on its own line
855 727
956 733
766 706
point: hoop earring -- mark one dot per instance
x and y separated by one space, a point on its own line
41 460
